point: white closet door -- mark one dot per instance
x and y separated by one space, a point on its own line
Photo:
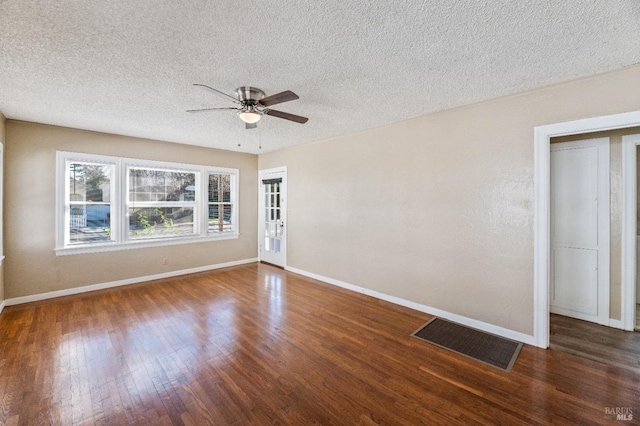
580 206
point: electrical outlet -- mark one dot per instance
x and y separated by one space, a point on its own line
165 261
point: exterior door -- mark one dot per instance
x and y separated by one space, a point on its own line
272 241
580 224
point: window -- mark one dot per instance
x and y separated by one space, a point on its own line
111 203
220 205
89 199
161 203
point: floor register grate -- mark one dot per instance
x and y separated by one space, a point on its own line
485 347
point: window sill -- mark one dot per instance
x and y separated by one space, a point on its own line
101 248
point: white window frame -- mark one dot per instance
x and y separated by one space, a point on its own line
120 204
132 204
233 201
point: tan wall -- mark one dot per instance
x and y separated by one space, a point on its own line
2 139
616 210
31 266
438 210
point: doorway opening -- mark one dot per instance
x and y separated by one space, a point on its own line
542 239
272 216
575 331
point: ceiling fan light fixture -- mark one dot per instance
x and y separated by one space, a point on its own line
249 116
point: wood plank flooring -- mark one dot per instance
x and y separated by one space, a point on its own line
604 344
255 345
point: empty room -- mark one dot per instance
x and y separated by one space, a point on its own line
251 213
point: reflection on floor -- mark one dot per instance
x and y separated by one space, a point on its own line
597 342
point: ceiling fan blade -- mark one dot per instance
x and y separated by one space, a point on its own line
278 98
250 125
286 116
212 109
219 93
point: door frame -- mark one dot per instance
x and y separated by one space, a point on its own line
284 216
603 183
542 210
629 231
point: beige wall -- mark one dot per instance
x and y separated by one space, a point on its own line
31 266
2 139
616 210
438 210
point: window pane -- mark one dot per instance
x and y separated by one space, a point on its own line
214 190
90 223
220 218
89 182
226 188
219 188
161 185
160 222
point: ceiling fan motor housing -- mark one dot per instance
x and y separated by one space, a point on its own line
249 95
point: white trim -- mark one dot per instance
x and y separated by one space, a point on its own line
483 326
136 244
629 231
542 136
2 305
112 284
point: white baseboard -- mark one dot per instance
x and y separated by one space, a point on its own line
102 286
2 305
489 328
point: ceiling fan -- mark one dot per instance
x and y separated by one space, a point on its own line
252 105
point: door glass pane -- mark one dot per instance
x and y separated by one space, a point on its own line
270 229
270 244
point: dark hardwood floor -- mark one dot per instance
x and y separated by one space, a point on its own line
256 345
604 344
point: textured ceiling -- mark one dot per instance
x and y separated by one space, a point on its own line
127 67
